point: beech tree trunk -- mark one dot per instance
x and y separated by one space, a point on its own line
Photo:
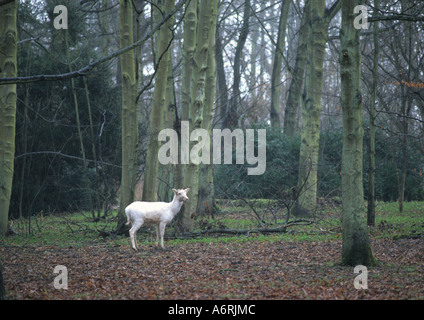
311 111
320 19
8 68
197 100
128 110
356 249
150 186
206 194
293 99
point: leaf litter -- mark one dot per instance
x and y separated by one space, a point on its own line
248 270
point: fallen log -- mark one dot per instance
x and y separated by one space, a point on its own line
278 229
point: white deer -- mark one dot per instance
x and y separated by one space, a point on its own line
159 213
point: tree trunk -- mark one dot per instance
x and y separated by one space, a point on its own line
292 105
190 27
356 249
77 117
166 171
150 185
233 113
221 112
8 68
206 194
189 46
406 109
276 67
311 112
129 111
197 96
371 151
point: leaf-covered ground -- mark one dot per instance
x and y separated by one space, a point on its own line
200 270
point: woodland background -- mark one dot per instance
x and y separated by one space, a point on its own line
343 108
50 175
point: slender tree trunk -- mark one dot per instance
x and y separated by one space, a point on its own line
221 112
129 111
356 249
81 141
253 81
197 96
190 28
372 115
406 109
166 171
8 68
292 105
156 116
233 113
24 150
276 67
93 148
206 195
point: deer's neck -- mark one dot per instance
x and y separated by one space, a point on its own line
176 205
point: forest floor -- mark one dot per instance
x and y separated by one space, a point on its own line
275 266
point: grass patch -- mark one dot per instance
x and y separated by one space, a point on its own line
78 229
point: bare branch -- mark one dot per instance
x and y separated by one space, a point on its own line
58 153
84 71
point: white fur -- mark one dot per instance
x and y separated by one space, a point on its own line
159 213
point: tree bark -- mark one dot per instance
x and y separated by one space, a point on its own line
372 116
356 249
190 30
197 96
221 112
311 111
156 115
129 111
276 67
206 194
166 171
233 114
406 109
8 68
293 99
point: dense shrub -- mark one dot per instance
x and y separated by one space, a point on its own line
282 168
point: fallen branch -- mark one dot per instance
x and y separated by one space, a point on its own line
190 235
279 229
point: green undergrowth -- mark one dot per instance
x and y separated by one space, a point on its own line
78 229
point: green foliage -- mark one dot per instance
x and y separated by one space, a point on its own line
282 153
49 173
389 166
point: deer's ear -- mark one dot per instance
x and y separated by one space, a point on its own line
187 190
175 191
